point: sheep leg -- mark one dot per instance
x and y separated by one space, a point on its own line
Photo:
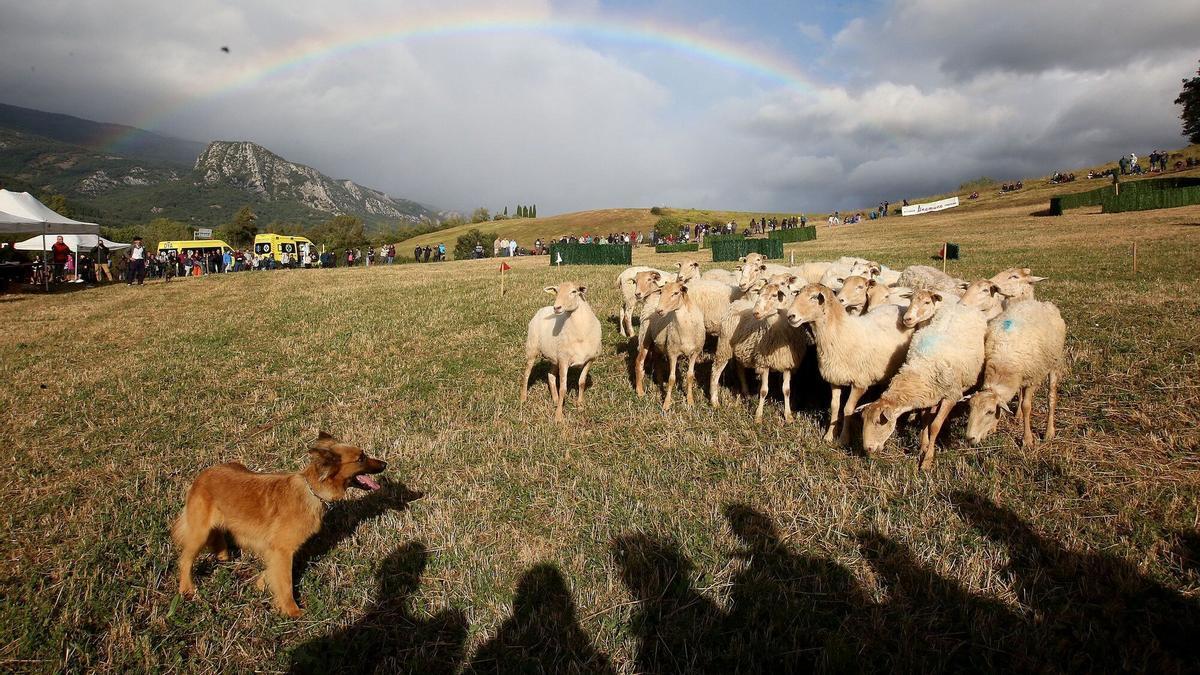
835 409
583 381
525 380
691 376
639 372
741 371
787 395
1020 405
848 410
624 318
553 382
714 386
1053 404
1027 392
671 382
763 386
563 367
934 427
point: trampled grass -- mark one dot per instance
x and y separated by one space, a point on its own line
624 539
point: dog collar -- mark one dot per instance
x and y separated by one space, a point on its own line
324 502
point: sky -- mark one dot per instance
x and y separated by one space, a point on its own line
581 104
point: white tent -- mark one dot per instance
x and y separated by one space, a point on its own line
77 242
32 216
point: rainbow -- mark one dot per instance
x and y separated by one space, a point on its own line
765 66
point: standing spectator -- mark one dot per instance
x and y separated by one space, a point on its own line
478 251
137 262
391 253
227 261
512 247
441 252
427 252
60 254
370 256
102 262
417 253
496 248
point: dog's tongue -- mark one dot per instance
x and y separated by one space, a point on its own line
367 482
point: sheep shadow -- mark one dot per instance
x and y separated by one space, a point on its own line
389 637
543 634
344 518
537 378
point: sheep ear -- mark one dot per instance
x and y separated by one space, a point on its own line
871 283
551 290
937 297
738 268
1025 271
583 291
963 285
884 416
679 266
1037 279
683 289
821 298
742 259
841 280
860 408
1004 407
907 294
994 289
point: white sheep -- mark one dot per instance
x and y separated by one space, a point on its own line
859 295
1016 283
722 275
650 325
853 352
567 334
837 273
918 277
943 361
762 339
811 272
749 273
683 334
1024 346
985 296
626 286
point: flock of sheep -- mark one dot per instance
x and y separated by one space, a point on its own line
926 337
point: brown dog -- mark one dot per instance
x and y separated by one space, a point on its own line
271 514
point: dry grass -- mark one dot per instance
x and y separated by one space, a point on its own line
625 539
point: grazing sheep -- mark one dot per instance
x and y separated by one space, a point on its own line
762 339
853 352
626 286
984 295
567 334
859 295
683 334
1024 346
943 361
919 277
1016 283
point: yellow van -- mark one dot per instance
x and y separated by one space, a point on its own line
187 246
272 245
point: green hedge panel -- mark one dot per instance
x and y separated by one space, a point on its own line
591 254
1144 200
795 234
724 251
1106 194
709 240
676 248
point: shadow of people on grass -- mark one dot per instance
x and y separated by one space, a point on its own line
1097 608
930 623
388 638
678 628
543 634
343 519
786 611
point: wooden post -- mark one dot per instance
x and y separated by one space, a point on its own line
501 279
1135 258
793 258
945 245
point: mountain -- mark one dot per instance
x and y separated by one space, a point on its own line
77 158
116 139
254 169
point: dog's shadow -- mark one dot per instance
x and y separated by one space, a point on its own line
343 519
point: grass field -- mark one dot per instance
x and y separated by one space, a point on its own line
624 540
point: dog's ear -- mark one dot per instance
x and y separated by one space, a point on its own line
328 462
324 436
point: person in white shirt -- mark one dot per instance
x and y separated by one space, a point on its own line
285 260
512 247
137 262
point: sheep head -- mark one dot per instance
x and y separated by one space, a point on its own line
853 294
878 424
673 295
985 410
646 284
924 305
1016 282
811 303
567 296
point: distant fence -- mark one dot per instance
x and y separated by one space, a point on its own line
676 248
724 251
1139 195
591 254
794 234
711 239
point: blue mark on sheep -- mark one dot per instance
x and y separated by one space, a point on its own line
1008 325
928 342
